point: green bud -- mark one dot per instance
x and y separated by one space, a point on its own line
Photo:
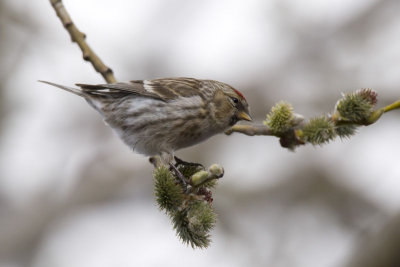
194 223
198 178
281 117
201 217
356 107
215 171
369 95
318 131
169 194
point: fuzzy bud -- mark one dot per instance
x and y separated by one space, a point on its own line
199 178
215 171
356 107
369 95
169 194
318 131
281 117
194 223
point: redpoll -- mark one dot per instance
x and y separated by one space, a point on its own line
157 117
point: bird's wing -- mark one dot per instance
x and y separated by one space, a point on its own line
117 90
172 88
163 89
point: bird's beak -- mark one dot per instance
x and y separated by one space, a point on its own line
243 116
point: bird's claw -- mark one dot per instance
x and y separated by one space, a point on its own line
185 163
181 177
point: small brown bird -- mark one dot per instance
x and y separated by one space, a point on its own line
158 117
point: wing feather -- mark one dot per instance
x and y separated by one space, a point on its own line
172 88
163 89
118 90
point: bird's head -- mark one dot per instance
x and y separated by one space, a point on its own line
230 106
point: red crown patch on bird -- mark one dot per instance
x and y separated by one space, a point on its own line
239 93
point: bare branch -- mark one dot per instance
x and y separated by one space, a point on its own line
250 130
395 105
79 38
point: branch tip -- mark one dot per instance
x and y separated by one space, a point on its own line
351 111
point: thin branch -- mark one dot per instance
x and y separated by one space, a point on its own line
250 130
79 38
395 105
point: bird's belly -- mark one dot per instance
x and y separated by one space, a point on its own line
166 127
153 139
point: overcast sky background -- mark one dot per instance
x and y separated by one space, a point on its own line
72 194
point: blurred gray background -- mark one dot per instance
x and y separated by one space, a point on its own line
71 194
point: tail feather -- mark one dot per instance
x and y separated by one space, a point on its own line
75 91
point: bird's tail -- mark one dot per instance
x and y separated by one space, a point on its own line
75 91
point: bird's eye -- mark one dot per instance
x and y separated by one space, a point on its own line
235 100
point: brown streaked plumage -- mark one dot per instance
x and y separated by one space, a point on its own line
158 117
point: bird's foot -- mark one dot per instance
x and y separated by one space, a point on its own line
181 177
185 163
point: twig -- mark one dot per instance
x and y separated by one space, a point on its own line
395 105
79 38
250 130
